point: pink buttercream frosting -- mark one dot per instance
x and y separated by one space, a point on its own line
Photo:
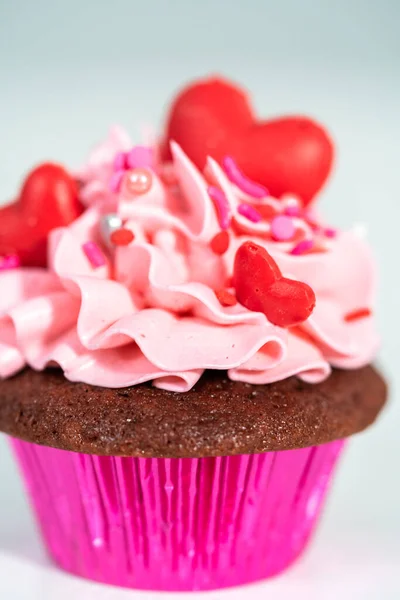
149 310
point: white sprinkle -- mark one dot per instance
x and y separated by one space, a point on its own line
108 224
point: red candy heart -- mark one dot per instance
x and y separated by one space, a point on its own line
48 199
289 155
260 287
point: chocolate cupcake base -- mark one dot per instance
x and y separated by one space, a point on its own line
218 417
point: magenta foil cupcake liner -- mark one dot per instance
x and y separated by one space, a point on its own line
176 523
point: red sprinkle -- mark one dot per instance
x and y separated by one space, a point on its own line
266 211
225 297
359 313
313 224
229 282
168 176
122 237
220 242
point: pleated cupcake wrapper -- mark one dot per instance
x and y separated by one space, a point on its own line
176 523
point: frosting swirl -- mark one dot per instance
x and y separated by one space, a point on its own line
148 310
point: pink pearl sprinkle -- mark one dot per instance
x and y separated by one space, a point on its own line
282 228
249 212
241 181
329 232
302 247
140 156
138 181
115 181
9 262
94 254
120 161
222 205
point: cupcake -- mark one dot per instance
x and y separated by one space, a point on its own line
185 346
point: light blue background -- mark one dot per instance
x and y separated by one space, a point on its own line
70 69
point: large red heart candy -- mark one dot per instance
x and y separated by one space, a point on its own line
48 199
260 287
288 155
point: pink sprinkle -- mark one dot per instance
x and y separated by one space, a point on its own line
329 232
115 181
292 211
292 206
241 181
222 205
302 247
94 254
140 156
282 228
120 161
9 262
248 211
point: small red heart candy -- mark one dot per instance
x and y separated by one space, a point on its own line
260 287
288 155
48 199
